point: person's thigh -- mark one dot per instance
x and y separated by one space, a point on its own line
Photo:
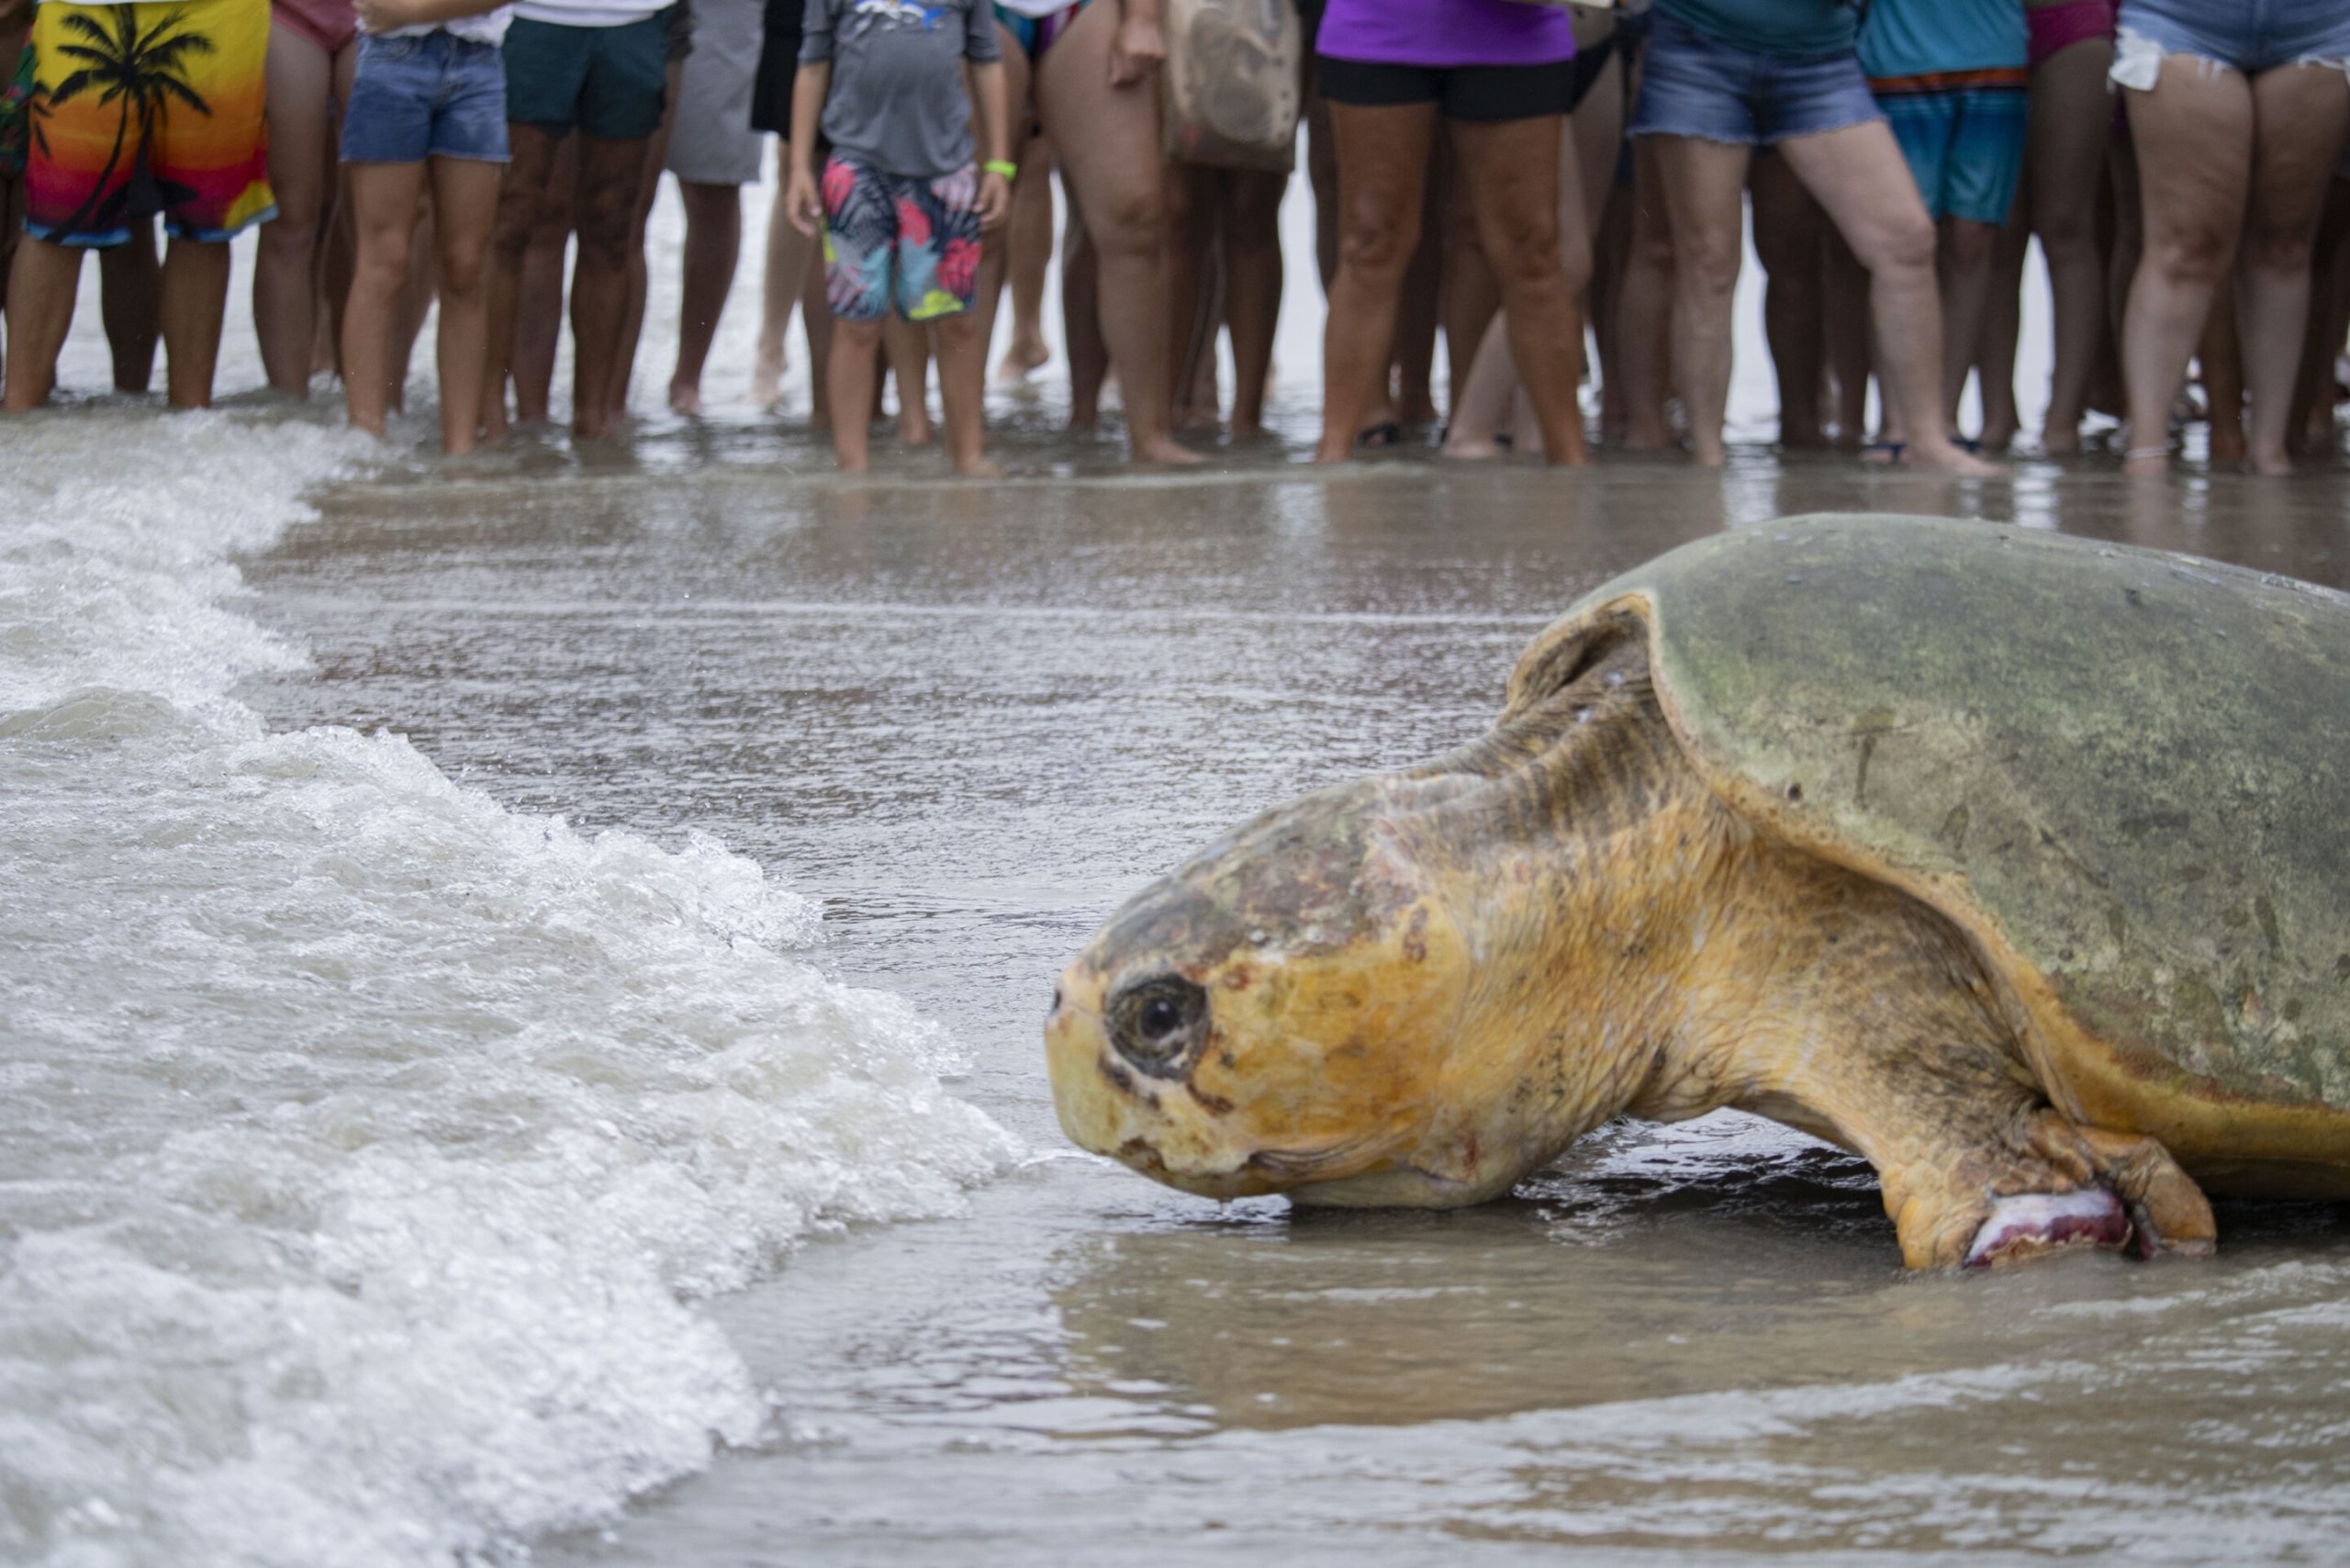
2070 124
1705 189
383 210
1511 167
1860 176
301 93
1107 135
528 175
2192 134
1383 179
2300 115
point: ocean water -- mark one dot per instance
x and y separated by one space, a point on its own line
367 1148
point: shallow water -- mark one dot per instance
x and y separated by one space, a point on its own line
482 958
972 721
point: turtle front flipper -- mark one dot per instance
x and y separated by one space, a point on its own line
2036 1184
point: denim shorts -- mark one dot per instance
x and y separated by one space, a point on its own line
1695 85
2250 35
435 97
607 82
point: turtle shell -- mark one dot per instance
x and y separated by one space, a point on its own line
2125 774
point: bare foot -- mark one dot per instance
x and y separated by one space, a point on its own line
914 425
685 399
766 380
1023 359
495 431
2227 441
2274 464
1416 410
1470 449
2061 441
1948 457
977 468
1165 448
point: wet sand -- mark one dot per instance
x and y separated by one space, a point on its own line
971 721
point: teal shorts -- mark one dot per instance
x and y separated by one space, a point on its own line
606 81
1965 146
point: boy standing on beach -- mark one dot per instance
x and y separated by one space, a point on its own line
430 92
902 206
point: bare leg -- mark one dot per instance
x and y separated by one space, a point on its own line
713 245
1788 228
1860 176
519 200
611 172
1470 297
816 322
1028 242
906 345
2219 356
1383 175
1089 356
2072 118
383 199
416 302
465 206
301 87
2313 392
787 255
1963 273
637 284
1704 181
2196 129
962 389
1253 279
1645 326
1846 344
856 348
1191 193
196 295
42 281
1109 148
131 302
1995 345
2302 112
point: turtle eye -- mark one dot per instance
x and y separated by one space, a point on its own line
1155 1022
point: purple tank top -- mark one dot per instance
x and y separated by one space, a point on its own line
1446 32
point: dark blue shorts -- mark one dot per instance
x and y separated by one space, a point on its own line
606 81
435 96
1695 85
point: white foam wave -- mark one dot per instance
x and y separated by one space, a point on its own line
365 1146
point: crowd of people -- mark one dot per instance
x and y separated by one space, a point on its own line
1564 190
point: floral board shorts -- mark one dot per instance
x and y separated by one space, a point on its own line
920 235
147 108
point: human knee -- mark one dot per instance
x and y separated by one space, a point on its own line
1968 244
1134 223
1709 263
2273 247
1904 244
461 269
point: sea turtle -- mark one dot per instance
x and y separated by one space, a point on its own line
2018 863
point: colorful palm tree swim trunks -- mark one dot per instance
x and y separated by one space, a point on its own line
893 233
147 108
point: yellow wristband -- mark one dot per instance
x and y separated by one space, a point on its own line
998 166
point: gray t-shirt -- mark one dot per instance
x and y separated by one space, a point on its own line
897 101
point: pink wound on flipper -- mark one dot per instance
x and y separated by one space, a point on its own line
2039 1222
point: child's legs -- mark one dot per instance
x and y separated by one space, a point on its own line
962 387
938 276
464 210
849 374
383 206
860 242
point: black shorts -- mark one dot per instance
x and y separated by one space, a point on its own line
1459 92
779 64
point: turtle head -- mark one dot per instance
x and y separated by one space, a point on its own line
1275 1016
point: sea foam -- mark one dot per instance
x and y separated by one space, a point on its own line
365 1148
